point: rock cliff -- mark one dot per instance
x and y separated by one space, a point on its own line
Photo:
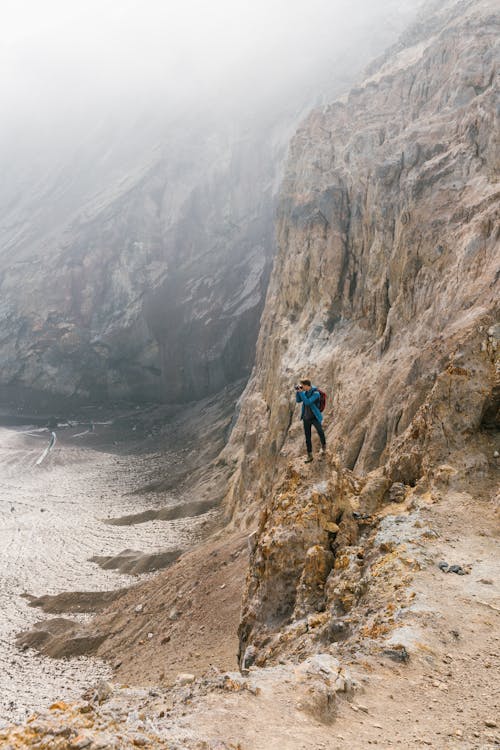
153 286
135 263
385 292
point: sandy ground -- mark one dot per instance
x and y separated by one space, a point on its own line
52 522
446 696
188 618
184 619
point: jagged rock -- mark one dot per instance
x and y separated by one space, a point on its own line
103 691
320 678
397 653
374 489
145 277
128 303
320 664
397 492
383 287
456 569
294 554
310 595
248 657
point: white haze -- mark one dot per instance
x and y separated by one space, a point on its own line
63 61
91 90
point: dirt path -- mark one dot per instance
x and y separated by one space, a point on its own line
445 697
448 694
51 522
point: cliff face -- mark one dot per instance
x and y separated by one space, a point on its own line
384 284
135 252
384 292
153 287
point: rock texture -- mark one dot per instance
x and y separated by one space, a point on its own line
385 287
301 535
384 292
151 287
135 264
118 717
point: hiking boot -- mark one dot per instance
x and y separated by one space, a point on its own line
309 458
323 451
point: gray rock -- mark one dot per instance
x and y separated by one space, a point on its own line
397 654
104 690
456 569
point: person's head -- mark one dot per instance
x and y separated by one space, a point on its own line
306 384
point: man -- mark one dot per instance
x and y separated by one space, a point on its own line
308 395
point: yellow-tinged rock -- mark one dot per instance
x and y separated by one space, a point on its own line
332 527
314 621
341 562
59 706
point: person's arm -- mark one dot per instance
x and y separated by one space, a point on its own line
308 400
297 397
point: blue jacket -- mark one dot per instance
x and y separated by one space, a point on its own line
311 399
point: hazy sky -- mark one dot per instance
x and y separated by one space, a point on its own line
91 90
63 55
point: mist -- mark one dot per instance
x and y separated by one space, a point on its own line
64 64
142 148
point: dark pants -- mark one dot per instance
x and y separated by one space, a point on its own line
308 423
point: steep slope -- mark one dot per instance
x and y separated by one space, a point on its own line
384 288
384 292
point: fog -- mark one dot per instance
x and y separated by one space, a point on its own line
64 62
162 126
103 84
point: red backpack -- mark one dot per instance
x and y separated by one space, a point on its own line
322 399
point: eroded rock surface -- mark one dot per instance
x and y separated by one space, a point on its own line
385 293
135 263
385 286
151 288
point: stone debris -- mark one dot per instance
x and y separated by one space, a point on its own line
458 569
397 492
136 717
329 562
397 654
103 691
